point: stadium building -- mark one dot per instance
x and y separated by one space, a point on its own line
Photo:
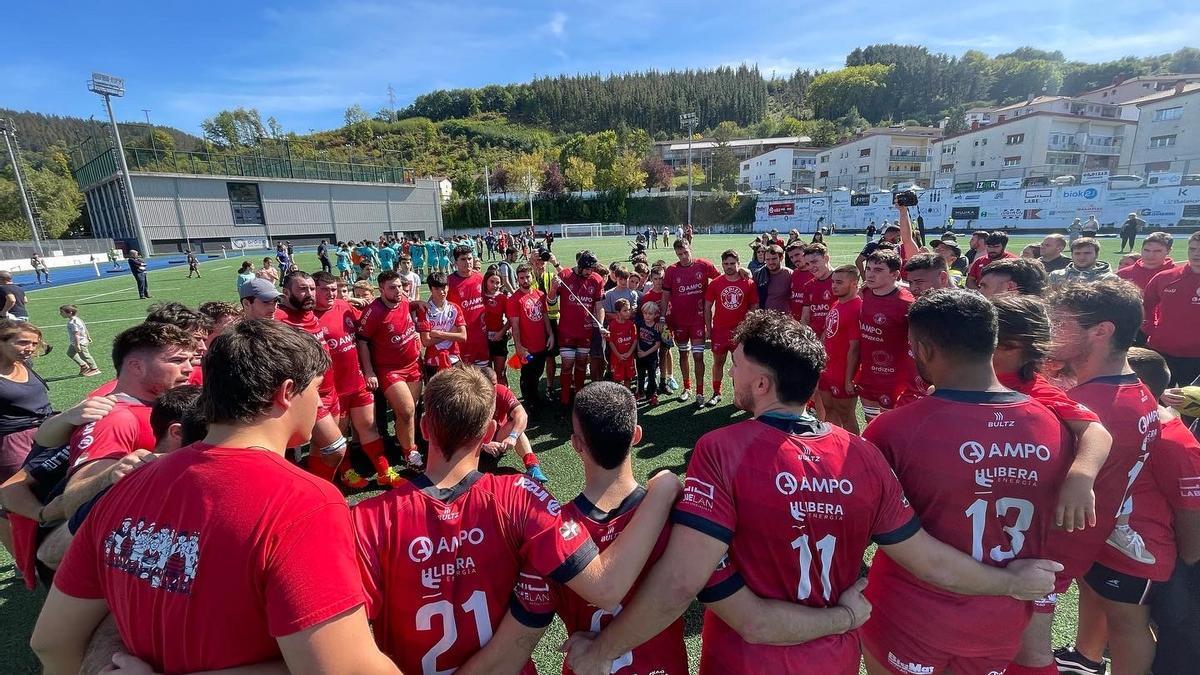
205 201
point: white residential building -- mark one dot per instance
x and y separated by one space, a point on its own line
1035 144
1124 91
783 168
1167 138
878 158
674 153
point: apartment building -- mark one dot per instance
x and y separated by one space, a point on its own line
782 168
1126 90
674 153
878 158
1037 143
1167 138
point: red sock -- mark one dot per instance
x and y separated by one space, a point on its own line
1016 669
317 467
699 388
716 387
530 460
374 449
564 383
687 384
580 378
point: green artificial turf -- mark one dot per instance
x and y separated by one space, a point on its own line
110 305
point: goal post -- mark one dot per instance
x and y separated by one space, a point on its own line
592 230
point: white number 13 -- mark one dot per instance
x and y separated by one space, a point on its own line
978 513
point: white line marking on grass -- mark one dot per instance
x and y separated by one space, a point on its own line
134 318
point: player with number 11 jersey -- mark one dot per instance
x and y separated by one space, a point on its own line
798 502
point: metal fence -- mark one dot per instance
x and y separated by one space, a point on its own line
146 160
15 250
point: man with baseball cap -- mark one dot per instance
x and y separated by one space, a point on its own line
259 299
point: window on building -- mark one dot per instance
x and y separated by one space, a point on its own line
824 174
947 168
983 141
865 152
1014 139
1012 161
824 159
864 168
746 166
771 163
1062 158
1168 114
1162 141
246 203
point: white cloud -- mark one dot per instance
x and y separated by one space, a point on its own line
557 25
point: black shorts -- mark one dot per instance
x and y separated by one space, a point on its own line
498 348
551 353
1120 587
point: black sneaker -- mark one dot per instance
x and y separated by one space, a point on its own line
1070 661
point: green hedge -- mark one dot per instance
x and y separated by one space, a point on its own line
605 208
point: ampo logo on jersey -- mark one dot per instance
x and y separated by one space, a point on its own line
421 549
974 452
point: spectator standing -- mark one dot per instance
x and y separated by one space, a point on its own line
1075 230
193 265
871 231
774 282
1091 228
13 298
24 397
268 271
79 340
1085 264
1051 255
323 256
285 259
920 230
39 268
245 273
1129 230
137 267
508 270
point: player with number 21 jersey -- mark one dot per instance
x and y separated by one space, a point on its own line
441 566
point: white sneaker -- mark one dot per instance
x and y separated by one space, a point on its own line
715 400
415 460
671 384
685 395
1125 540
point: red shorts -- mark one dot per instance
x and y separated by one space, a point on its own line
897 652
693 333
723 342
884 393
390 376
329 405
834 385
569 341
357 399
475 349
622 371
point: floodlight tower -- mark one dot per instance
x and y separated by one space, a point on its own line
688 121
109 86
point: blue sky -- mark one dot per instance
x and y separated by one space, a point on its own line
304 62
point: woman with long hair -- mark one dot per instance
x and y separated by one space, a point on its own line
24 401
495 303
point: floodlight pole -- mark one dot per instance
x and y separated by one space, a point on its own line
108 86
487 192
7 128
688 121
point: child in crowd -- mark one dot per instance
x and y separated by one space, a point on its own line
622 339
650 343
79 339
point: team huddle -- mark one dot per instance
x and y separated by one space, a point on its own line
1014 445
